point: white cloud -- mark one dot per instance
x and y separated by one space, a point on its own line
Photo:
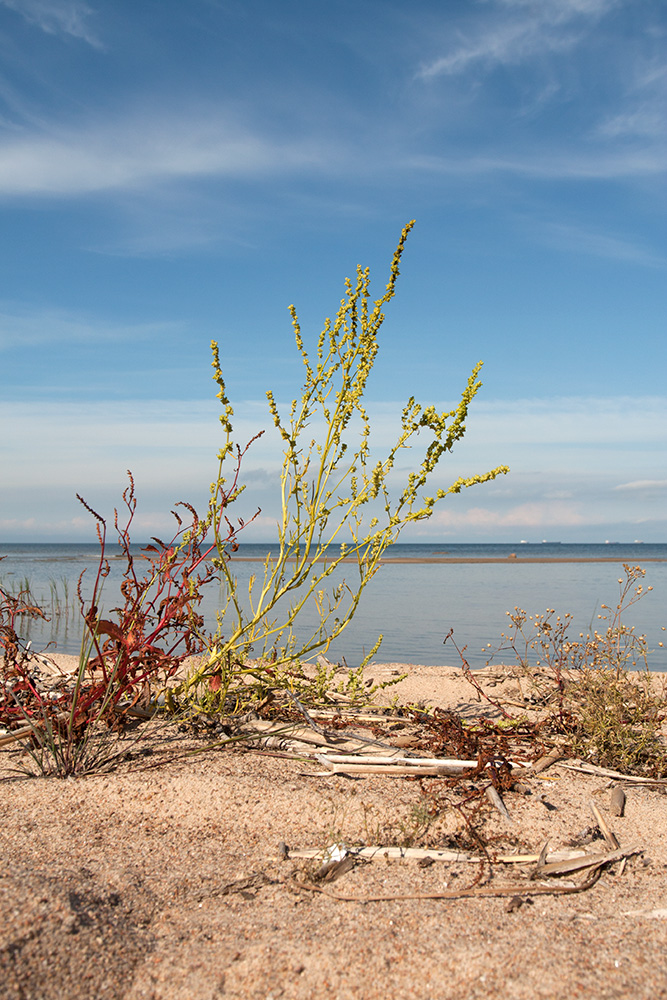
545 163
22 327
526 515
530 28
168 440
58 17
563 422
565 456
645 121
578 239
643 485
612 129
140 151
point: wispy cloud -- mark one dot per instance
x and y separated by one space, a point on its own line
22 326
643 485
577 239
560 453
518 31
571 163
140 150
644 121
553 49
58 17
526 515
565 421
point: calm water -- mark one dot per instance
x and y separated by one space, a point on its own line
412 601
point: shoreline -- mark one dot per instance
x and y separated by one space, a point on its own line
508 560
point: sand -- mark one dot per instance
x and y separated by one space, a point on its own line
167 882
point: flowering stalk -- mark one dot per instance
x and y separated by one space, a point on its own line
332 494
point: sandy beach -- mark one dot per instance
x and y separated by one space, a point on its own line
169 878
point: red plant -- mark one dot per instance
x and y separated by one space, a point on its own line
15 679
143 642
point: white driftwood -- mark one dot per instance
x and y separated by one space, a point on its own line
384 853
381 853
349 758
605 772
389 766
395 770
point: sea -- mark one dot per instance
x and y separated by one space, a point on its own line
420 594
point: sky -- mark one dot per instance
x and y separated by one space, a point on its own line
172 173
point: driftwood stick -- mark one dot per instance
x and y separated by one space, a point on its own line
18 734
605 772
351 758
550 758
607 833
587 861
518 889
359 764
386 853
398 769
380 853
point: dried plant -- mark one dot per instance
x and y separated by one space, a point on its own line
597 686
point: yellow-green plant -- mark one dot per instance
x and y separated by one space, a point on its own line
339 505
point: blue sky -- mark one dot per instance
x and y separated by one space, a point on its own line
174 172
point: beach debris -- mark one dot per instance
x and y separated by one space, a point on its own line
496 801
402 767
379 852
605 772
659 914
584 861
541 861
542 763
305 713
543 889
389 766
382 853
336 861
515 903
608 834
617 801
17 734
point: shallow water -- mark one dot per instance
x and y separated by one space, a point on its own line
412 603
